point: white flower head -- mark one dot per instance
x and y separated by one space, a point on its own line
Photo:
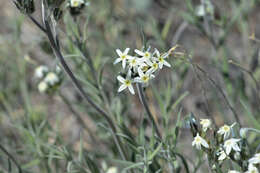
255 159
42 86
51 78
143 77
153 67
134 63
126 83
225 130
199 141
233 171
252 169
161 59
206 123
222 155
112 170
40 71
76 3
123 57
146 56
231 144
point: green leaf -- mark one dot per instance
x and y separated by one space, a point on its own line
155 152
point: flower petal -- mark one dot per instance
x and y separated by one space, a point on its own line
131 89
117 60
139 52
166 64
126 51
121 79
122 87
118 51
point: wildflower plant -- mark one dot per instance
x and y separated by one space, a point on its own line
116 130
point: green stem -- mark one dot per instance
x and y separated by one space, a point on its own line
144 103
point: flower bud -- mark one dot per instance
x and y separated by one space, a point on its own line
243 132
237 156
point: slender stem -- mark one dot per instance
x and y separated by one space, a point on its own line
12 158
59 55
144 103
221 92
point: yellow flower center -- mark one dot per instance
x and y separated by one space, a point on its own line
197 139
228 143
147 55
144 69
123 56
155 65
133 61
145 78
226 128
161 59
127 82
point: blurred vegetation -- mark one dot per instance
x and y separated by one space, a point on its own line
216 77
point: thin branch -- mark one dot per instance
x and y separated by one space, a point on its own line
12 158
144 103
221 92
37 23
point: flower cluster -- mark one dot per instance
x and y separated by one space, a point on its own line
141 67
223 145
48 81
76 6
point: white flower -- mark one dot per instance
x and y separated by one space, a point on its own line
153 67
225 130
123 56
126 83
42 86
51 78
255 159
252 169
146 56
112 170
206 123
134 62
161 59
198 141
76 3
233 171
231 144
41 71
143 77
222 155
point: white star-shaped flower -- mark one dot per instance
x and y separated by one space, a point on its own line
231 144
126 83
143 77
255 159
225 130
161 59
134 63
146 56
206 123
199 141
252 169
123 56
153 67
